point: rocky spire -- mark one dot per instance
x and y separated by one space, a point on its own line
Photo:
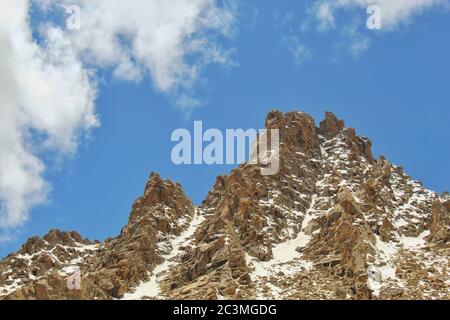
331 126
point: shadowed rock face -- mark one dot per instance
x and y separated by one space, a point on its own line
334 223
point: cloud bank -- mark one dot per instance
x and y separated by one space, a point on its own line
48 87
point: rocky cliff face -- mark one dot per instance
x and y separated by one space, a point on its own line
334 223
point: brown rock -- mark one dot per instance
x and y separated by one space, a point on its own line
331 126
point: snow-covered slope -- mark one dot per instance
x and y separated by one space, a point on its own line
150 288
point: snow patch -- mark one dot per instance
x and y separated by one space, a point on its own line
151 287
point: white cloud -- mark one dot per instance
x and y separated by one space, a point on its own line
170 41
394 12
48 89
43 92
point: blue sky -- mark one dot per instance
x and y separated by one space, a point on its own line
395 91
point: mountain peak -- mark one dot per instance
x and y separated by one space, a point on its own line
334 223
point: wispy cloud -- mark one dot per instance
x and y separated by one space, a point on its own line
355 41
291 40
394 12
300 53
324 14
4 239
346 19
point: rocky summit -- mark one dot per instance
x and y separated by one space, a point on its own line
334 223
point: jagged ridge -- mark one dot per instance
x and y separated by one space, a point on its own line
333 223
